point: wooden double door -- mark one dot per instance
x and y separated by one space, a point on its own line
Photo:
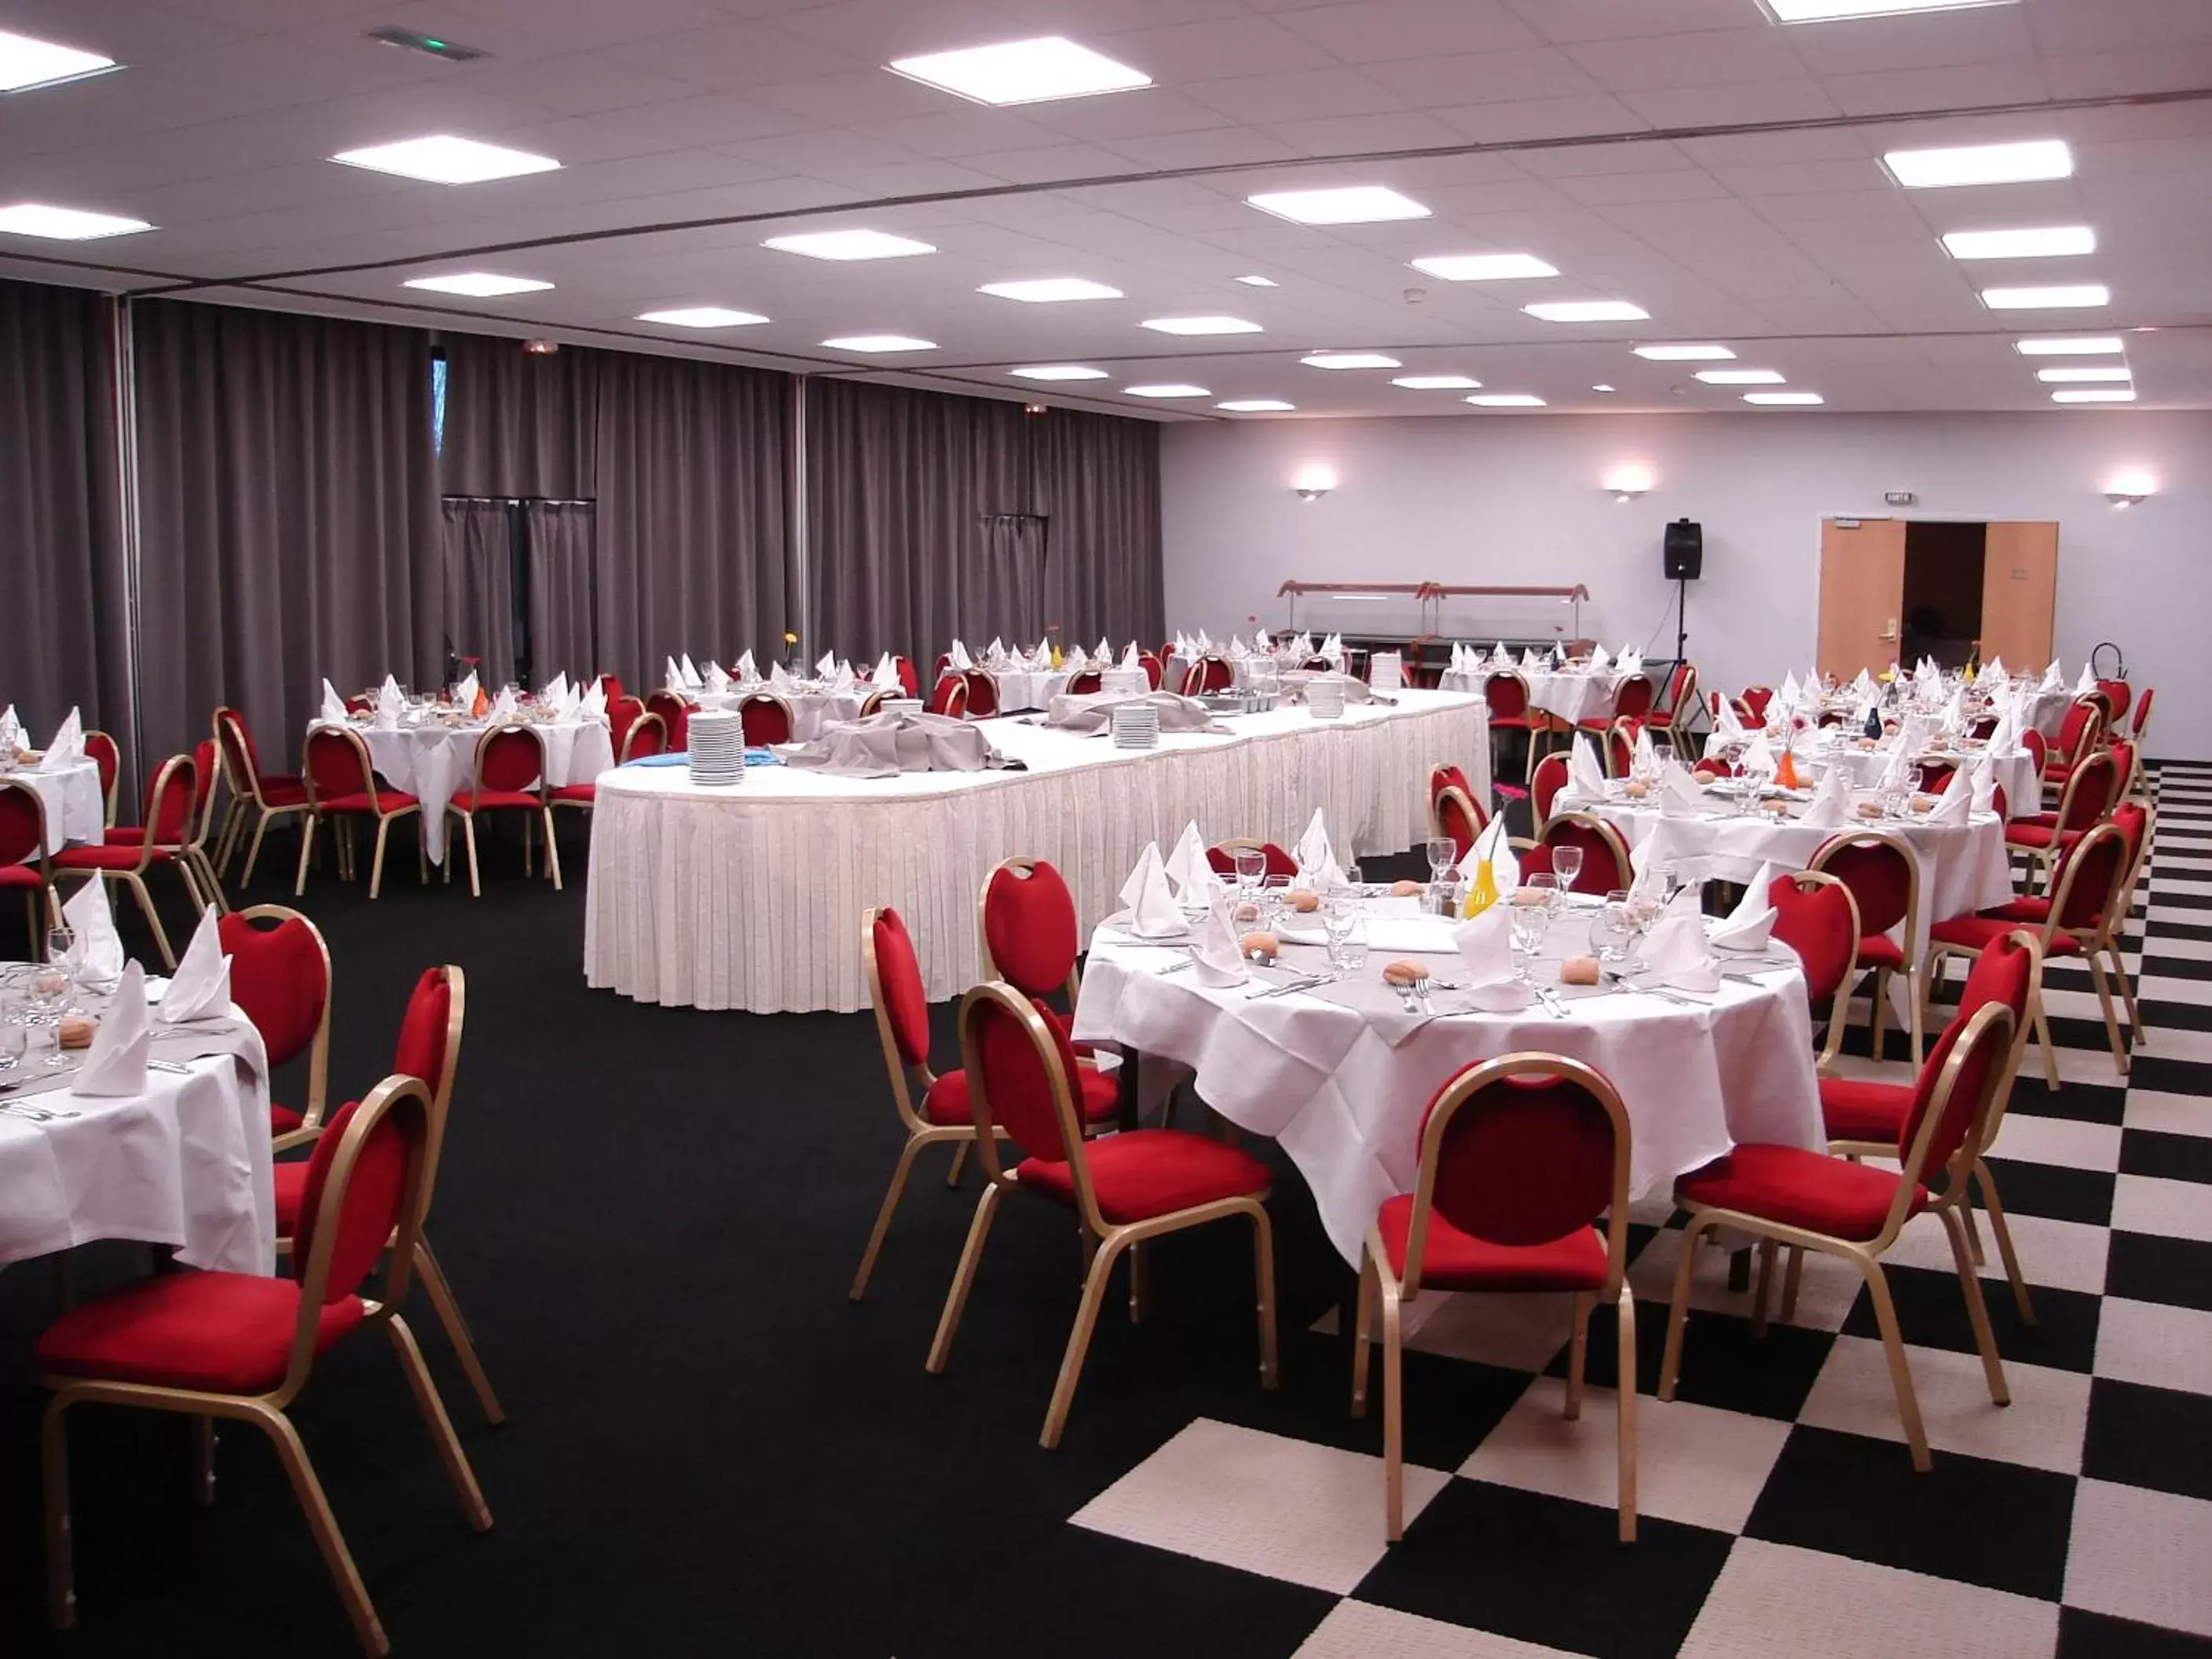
1863 593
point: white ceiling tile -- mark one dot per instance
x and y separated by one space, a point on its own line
1382 29
1489 77
1709 59
1531 119
1765 100
737 56
1302 95
1216 49
1975 34
1890 91
1609 20
1349 134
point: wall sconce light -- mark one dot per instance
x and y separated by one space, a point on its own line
2130 489
1314 482
1627 483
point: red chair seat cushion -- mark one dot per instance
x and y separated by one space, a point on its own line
105 857
124 834
588 793
1974 933
947 1099
2031 912
386 801
1510 722
2030 834
282 1119
1151 1172
1798 1189
1880 950
223 1333
492 800
1454 1260
21 875
283 792
1853 1108
291 1191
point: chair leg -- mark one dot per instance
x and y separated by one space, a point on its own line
203 1462
153 920
1977 1311
2136 1032
552 852
1577 1354
1900 1376
2112 1018
474 1509
1766 1249
1394 1412
325 1526
1678 1310
376 859
253 852
1362 1328
1791 1280
307 851
1263 1270
2004 1232
1079 1343
1880 1008
959 1163
457 1329
468 830
1916 994
2043 1039
883 1212
1625 1387
964 1278
61 1590
1137 1276
526 847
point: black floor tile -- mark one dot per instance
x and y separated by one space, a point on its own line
2084 1103
2145 1436
2100 1636
2174 1077
1931 1312
2054 1190
1723 1365
2169 1157
2146 1267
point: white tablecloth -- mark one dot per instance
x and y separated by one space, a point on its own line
77 811
1029 688
1324 1079
2014 772
186 1164
435 762
751 896
1574 695
811 708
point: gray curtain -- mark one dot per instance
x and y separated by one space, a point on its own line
692 545
563 617
518 423
931 515
289 518
64 614
479 542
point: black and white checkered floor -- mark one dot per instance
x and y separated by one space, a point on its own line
1780 1514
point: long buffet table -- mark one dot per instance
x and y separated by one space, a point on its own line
751 897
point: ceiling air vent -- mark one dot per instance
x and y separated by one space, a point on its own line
430 45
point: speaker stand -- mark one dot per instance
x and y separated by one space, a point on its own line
1681 619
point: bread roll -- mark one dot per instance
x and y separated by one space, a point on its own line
1636 790
1303 901
1262 944
1405 889
76 1031
1404 973
1578 970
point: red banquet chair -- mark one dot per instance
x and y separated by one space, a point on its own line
1755 699
242 1347
933 1108
621 713
1786 1196
644 735
982 693
1544 782
1605 867
2118 694
1085 682
1675 711
949 697
1620 747
1632 699
189 850
1884 877
23 867
509 775
1222 857
2142 714
675 712
280 975
1816 917
1453 812
102 751
2091 790
167 823
1124 1189
429 1050
1523 1186
2080 733
1153 671
766 717
262 796
909 681
611 688
1208 674
342 787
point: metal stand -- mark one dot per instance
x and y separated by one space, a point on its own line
1681 619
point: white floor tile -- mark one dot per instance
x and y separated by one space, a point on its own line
2062 1140
1823 1298
2141 1554
2180 886
2172 988
2152 1343
1287 1509
2042 1428
2172 1115
2174 1209
1360 1630
2068 1256
2172 1043
1519 1331
1695 1464
2184 950
1833 1607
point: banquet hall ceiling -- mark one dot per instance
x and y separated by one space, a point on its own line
1713 165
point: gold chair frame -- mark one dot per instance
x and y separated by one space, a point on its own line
1913 965
342 831
319 1051
151 852
467 815
1476 816
245 781
1839 1005
46 872
2099 764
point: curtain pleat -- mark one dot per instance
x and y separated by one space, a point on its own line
480 588
564 623
517 423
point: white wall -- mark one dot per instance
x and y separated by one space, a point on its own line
1519 498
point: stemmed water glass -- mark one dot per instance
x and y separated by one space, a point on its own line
1614 932
1339 911
1443 853
1530 923
48 995
14 1035
1251 870
61 951
1566 865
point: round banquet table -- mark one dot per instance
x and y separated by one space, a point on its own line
76 807
751 896
434 762
1574 695
812 706
1341 1075
2014 773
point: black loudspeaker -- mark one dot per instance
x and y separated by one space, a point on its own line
1686 551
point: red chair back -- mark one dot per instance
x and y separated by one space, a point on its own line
337 764
647 736
766 719
385 1184
1457 816
1546 782
675 713
2124 772
2142 711
1880 872
23 824
949 697
1507 695
1011 1065
102 751
169 801
425 1032
610 687
1816 917
895 974
2005 974
1632 698
1029 927
982 694
623 713
2087 877
1756 698
2038 747
1958 1098
2077 730
909 681
1084 684
1150 665
2090 793
1605 855
1442 778
1620 748
1678 683
511 760
2117 697
1207 674
280 975
1222 857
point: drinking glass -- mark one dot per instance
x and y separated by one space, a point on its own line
1661 752
1530 923
1352 955
1567 864
1251 869
1274 897
48 996
1614 932
1443 853
61 950
1338 911
1546 885
14 1038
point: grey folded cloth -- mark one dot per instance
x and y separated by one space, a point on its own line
1092 711
1294 681
883 745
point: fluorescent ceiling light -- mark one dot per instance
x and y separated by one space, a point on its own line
1980 164
2047 243
1784 398
27 63
1605 388
1059 372
1483 267
1347 204
1820 11
1739 376
2086 345
1166 389
880 343
848 244
445 160
1201 326
1349 360
701 317
1256 281
1505 400
1048 290
1685 354
2101 395
1438 382
2055 376
1022 71
478 284
64 224
1587 311
2060 297
1256 406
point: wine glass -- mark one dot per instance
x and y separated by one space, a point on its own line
1567 864
1340 910
1530 923
1353 952
1544 884
1614 931
61 950
14 1039
1251 869
48 995
1443 853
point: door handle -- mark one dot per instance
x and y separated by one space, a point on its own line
1889 634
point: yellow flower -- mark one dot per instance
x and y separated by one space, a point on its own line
791 639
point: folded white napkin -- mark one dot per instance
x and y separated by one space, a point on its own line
334 707
718 679
1598 660
1957 801
1791 693
1332 648
1647 757
1758 760
692 682
1585 777
885 672
828 666
1831 806
1316 859
503 706
594 703
1678 956
1629 662
1105 653
1750 924
1484 944
116 1062
390 699
1984 787
1500 655
842 679
1864 686
1490 849
673 680
959 657
68 744
1902 769
1994 669
2054 678
99 948
1680 797
1302 646
11 732
201 985
464 693
1129 655
1725 722
780 677
1220 959
552 691
1204 642
744 669
1153 913
1187 867
1530 662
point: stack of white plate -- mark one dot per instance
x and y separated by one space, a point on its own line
1386 670
1325 697
717 749
1136 725
1124 682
